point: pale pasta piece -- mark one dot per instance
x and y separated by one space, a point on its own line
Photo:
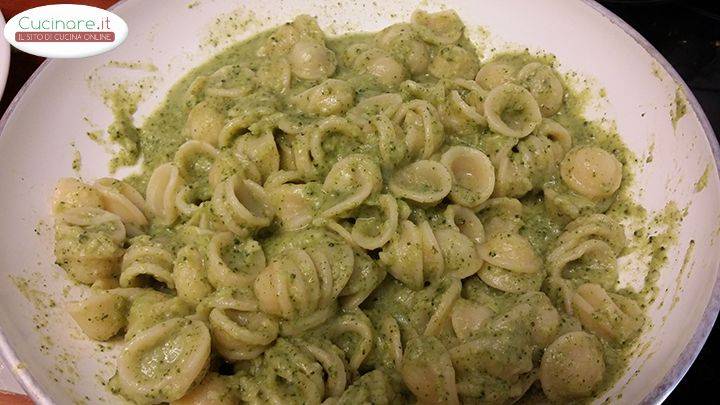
424 181
501 215
313 157
242 335
261 150
543 83
149 307
146 261
453 62
349 183
441 28
423 131
228 163
204 123
296 284
73 193
147 373
162 191
214 389
88 243
512 252
374 232
612 317
591 172
463 111
366 109
494 74
464 221
100 316
511 263
460 255
233 262
402 41
468 317
473 175
195 158
376 63
285 36
311 60
295 200
444 293
512 111
419 254
391 140
275 75
593 244
358 333
330 97
365 278
123 200
242 205
288 374
428 371
332 360
572 366
374 387
190 275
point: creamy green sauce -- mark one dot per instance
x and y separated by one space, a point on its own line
702 182
678 107
159 137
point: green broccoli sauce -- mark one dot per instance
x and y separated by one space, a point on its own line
159 137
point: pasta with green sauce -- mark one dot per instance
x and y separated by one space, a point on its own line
374 218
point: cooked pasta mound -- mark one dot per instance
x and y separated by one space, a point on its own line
374 218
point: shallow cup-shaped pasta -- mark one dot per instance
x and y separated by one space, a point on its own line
296 284
204 123
190 275
311 60
162 191
349 183
423 130
428 372
465 221
330 97
233 262
144 261
402 41
242 335
544 84
123 200
512 111
100 316
242 205
592 172
73 193
261 150
441 28
473 175
572 366
147 374
424 181
494 74
454 62
615 318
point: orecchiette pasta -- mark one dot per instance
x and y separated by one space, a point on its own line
147 373
512 111
473 176
591 172
282 181
330 97
572 366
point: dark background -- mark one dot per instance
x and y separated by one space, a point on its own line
687 33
